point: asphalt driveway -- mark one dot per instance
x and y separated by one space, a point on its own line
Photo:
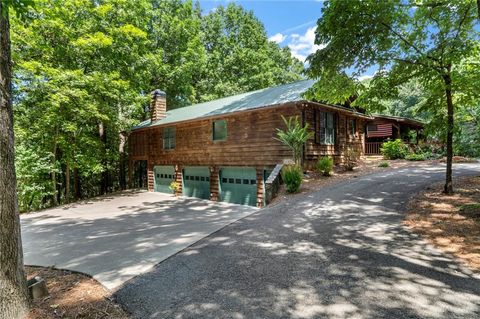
339 253
115 238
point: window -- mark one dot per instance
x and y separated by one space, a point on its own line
372 128
353 127
219 130
325 128
169 138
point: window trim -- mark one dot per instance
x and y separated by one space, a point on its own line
213 131
170 138
353 127
319 126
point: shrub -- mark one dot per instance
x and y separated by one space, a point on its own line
292 176
351 157
325 165
415 157
174 187
383 164
294 136
394 149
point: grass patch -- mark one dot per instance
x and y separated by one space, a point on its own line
383 164
470 210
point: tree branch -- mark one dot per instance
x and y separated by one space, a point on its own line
478 8
402 38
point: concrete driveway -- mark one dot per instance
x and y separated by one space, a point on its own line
339 253
115 238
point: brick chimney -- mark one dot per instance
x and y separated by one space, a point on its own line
158 105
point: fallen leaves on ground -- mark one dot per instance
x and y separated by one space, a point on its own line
72 295
451 222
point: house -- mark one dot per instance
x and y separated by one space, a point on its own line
384 127
225 150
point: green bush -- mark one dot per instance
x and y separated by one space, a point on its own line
415 157
325 165
383 164
292 176
394 149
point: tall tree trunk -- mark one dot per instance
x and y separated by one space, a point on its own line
122 165
478 8
76 184
67 182
13 288
103 138
54 173
448 189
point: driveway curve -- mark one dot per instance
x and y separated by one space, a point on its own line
341 252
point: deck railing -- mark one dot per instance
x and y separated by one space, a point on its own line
373 148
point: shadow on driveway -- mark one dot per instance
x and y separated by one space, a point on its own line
117 237
338 253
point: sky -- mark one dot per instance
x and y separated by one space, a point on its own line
288 22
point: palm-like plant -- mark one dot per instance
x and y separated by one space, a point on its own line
294 136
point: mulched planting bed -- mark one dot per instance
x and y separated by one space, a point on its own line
72 295
451 222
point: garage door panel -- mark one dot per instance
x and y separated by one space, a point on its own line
164 176
238 185
196 182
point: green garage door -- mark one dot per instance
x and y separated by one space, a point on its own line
164 176
196 182
238 185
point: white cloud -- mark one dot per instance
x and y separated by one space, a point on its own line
302 45
365 77
278 38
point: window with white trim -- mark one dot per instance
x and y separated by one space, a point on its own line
169 138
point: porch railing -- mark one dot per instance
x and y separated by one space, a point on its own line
373 148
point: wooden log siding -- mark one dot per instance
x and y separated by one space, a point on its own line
250 141
214 183
344 139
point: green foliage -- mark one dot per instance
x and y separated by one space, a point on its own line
395 149
84 69
20 7
174 186
436 46
294 136
383 164
239 56
324 165
415 157
467 134
292 176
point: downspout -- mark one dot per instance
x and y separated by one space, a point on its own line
303 125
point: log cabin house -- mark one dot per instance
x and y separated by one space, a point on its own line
225 150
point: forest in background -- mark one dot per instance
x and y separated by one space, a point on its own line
84 70
412 101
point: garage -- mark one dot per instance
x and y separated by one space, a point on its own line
196 182
164 176
238 185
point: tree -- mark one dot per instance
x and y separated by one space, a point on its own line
239 56
294 136
82 77
14 301
429 41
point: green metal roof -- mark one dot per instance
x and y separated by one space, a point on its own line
400 119
246 101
